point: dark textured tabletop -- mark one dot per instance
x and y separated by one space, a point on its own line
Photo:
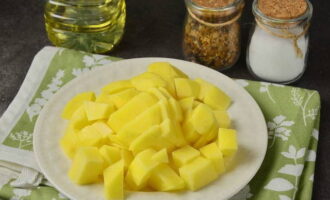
154 28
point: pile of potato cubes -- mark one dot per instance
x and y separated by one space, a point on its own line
159 131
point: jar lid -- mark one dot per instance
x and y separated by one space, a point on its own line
213 3
283 9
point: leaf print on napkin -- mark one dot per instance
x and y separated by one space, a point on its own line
20 193
55 84
23 139
264 88
242 82
298 100
90 61
279 185
279 128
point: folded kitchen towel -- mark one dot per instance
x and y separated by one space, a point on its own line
292 116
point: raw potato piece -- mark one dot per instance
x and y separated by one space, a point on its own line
147 80
140 169
164 178
87 165
110 154
117 86
90 136
171 131
69 142
186 88
105 98
222 118
114 181
184 155
122 97
198 173
130 110
79 118
208 137
176 109
148 139
213 153
227 141
140 124
161 156
202 119
165 69
190 134
187 105
96 111
76 102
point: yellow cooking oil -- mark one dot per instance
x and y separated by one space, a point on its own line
88 25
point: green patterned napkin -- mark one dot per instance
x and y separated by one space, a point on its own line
292 116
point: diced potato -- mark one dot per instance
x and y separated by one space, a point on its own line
124 96
176 109
117 86
87 165
196 103
110 154
172 132
165 69
159 94
131 110
222 118
166 92
115 141
202 119
141 123
148 139
198 173
76 102
166 110
147 80
69 142
164 178
207 137
189 132
79 118
184 155
213 96
213 153
187 104
90 136
102 128
140 169
186 88
114 181
227 141
105 98
127 157
96 111
161 156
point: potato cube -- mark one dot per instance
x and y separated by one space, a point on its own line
75 103
198 173
90 136
189 132
69 142
96 111
208 137
127 157
184 155
202 119
157 93
213 153
176 109
172 132
187 104
105 98
124 96
161 156
164 178
147 80
222 118
140 169
165 69
117 86
79 118
186 88
102 128
87 165
227 141
110 154
148 139
114 181
140 124
131 110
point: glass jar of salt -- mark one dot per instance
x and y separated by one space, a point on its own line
212 32
278 46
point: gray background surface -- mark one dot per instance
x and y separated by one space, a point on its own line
154 28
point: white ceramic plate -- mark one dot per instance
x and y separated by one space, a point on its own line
245 113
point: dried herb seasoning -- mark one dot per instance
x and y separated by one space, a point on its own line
212 37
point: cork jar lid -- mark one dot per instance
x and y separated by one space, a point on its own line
213 3
283 9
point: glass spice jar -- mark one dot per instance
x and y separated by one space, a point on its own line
212 32
279 40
